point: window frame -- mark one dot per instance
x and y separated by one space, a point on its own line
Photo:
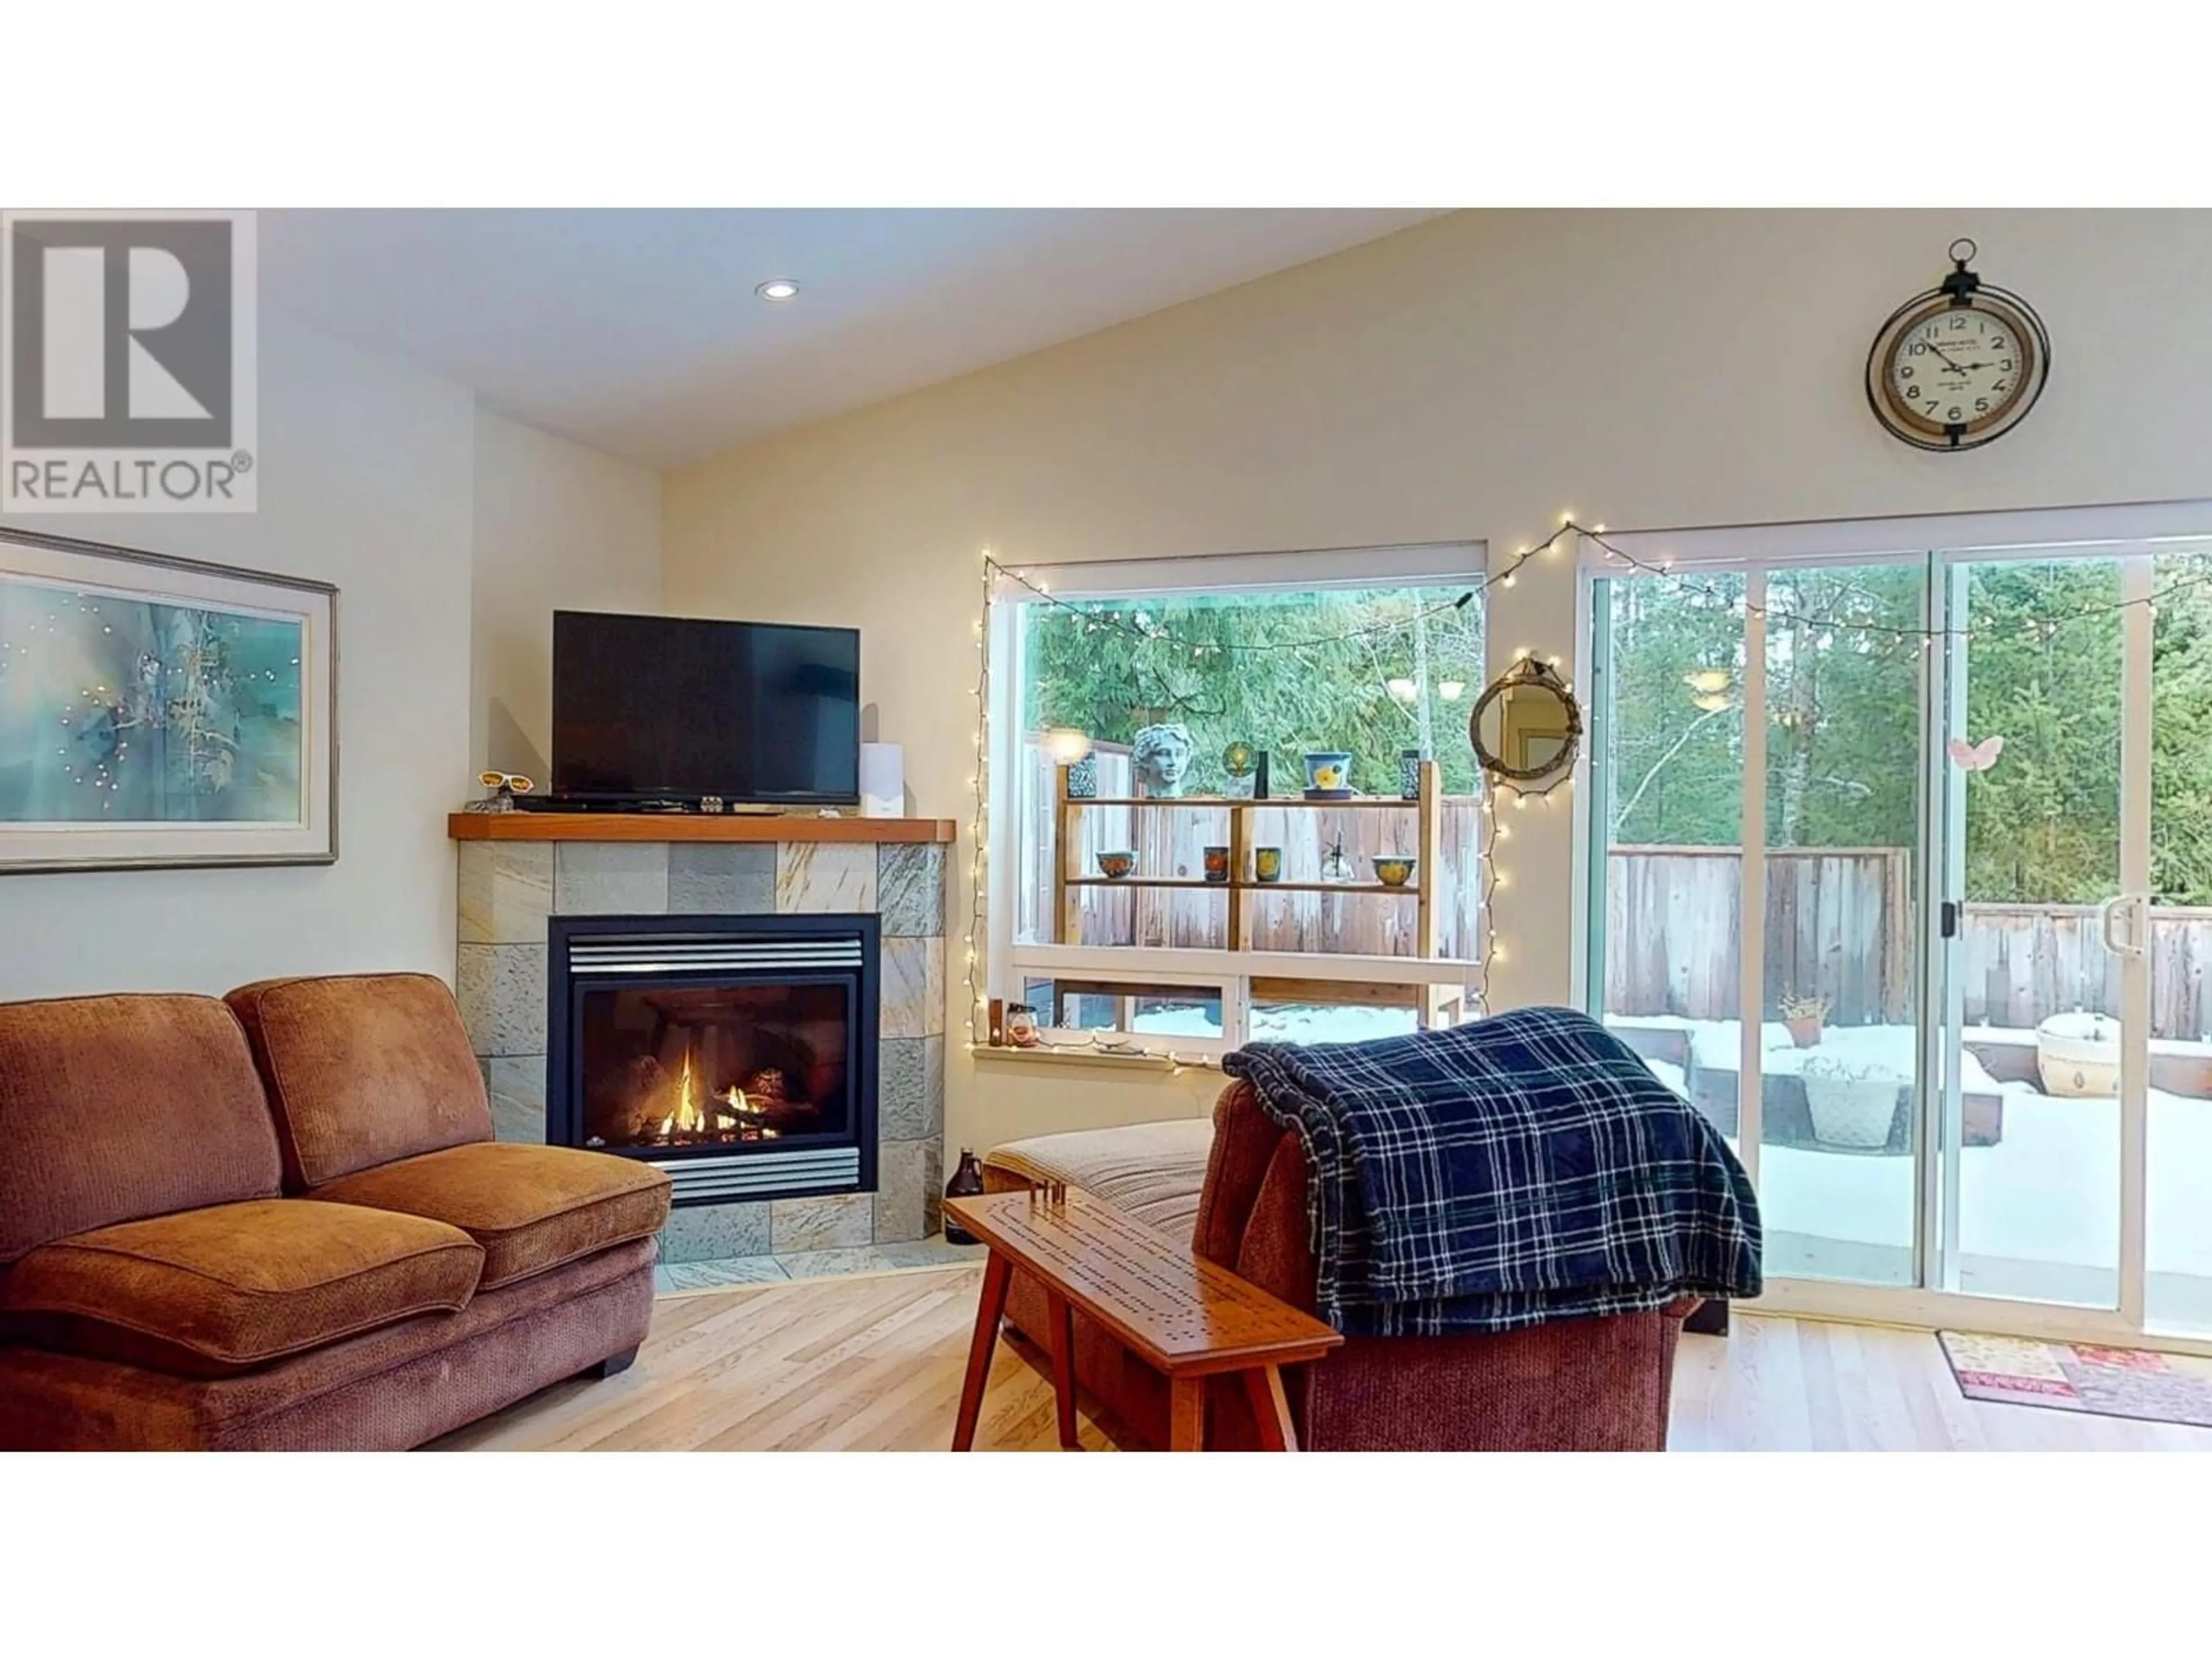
1007 962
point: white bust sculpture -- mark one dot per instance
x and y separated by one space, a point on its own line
1161 754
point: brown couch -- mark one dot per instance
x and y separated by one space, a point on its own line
282 1223
1576 1384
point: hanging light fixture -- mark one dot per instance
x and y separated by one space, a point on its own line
1402 689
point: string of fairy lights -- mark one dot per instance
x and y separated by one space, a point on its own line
1491 880
2044 625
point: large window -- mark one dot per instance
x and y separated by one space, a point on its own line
1174 687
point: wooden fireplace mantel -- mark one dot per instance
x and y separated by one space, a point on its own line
688 826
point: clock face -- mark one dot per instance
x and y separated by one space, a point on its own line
1948 375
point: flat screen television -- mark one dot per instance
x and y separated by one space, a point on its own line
668 709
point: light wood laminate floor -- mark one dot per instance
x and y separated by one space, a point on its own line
875 1363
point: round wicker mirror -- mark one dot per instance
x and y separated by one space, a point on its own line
1528 727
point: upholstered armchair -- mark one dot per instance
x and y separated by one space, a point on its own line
1578 1384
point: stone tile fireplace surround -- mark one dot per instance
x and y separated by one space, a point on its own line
511 884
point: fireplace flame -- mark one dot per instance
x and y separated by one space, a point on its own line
730 1109
686 1118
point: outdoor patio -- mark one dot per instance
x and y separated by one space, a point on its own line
2039 1202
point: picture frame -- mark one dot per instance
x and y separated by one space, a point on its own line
163 713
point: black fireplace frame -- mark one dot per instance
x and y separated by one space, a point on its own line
565 990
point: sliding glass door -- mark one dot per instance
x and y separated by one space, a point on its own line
1903 874
2032 768
1838 919
2178 949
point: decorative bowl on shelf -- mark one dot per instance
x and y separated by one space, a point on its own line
1393 870
1115 865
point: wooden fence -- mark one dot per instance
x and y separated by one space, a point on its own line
1840 924
1171 843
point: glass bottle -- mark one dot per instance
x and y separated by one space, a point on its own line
967 1182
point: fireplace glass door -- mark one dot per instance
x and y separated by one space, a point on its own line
670 1066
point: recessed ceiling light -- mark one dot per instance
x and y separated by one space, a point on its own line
778 289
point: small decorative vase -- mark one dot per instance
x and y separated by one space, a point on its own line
1082 779
1804 1031
1409 773
1335 867
967 1182
1021 1026
1217 864
1267 863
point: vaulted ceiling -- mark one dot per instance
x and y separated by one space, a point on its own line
638 331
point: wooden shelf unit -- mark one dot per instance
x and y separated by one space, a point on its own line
1428 806
1254 885
1387 802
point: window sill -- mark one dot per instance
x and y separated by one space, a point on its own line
1072 1055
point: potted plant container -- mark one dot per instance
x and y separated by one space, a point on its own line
2077 1055
1804 1017
1851 1106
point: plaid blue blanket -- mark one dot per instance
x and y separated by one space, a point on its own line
1504 1173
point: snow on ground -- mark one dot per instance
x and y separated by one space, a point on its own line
2049 1191
1286 1023
1716 1045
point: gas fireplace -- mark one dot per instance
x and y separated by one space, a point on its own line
736 1053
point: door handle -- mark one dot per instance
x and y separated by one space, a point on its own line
2109 917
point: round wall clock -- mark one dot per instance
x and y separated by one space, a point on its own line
1959 366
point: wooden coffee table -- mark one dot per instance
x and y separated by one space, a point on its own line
1183 1315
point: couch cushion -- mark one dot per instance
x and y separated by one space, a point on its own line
116 1108
530 1207
216 1291
363 1069
1153 1172
390 1388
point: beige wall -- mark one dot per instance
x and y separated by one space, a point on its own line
366 482
557 526
452 534
1470 378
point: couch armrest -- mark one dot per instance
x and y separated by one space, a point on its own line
1245 1141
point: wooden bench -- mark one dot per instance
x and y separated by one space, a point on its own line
1186 1317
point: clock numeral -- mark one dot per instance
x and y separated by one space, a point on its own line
1905 372
1955 413
1912 392
1917 348
1958 324
2006 365
1997 342
1981 406
2001 386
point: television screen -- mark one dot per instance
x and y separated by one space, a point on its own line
669 707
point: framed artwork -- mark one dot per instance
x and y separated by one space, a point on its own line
158 712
